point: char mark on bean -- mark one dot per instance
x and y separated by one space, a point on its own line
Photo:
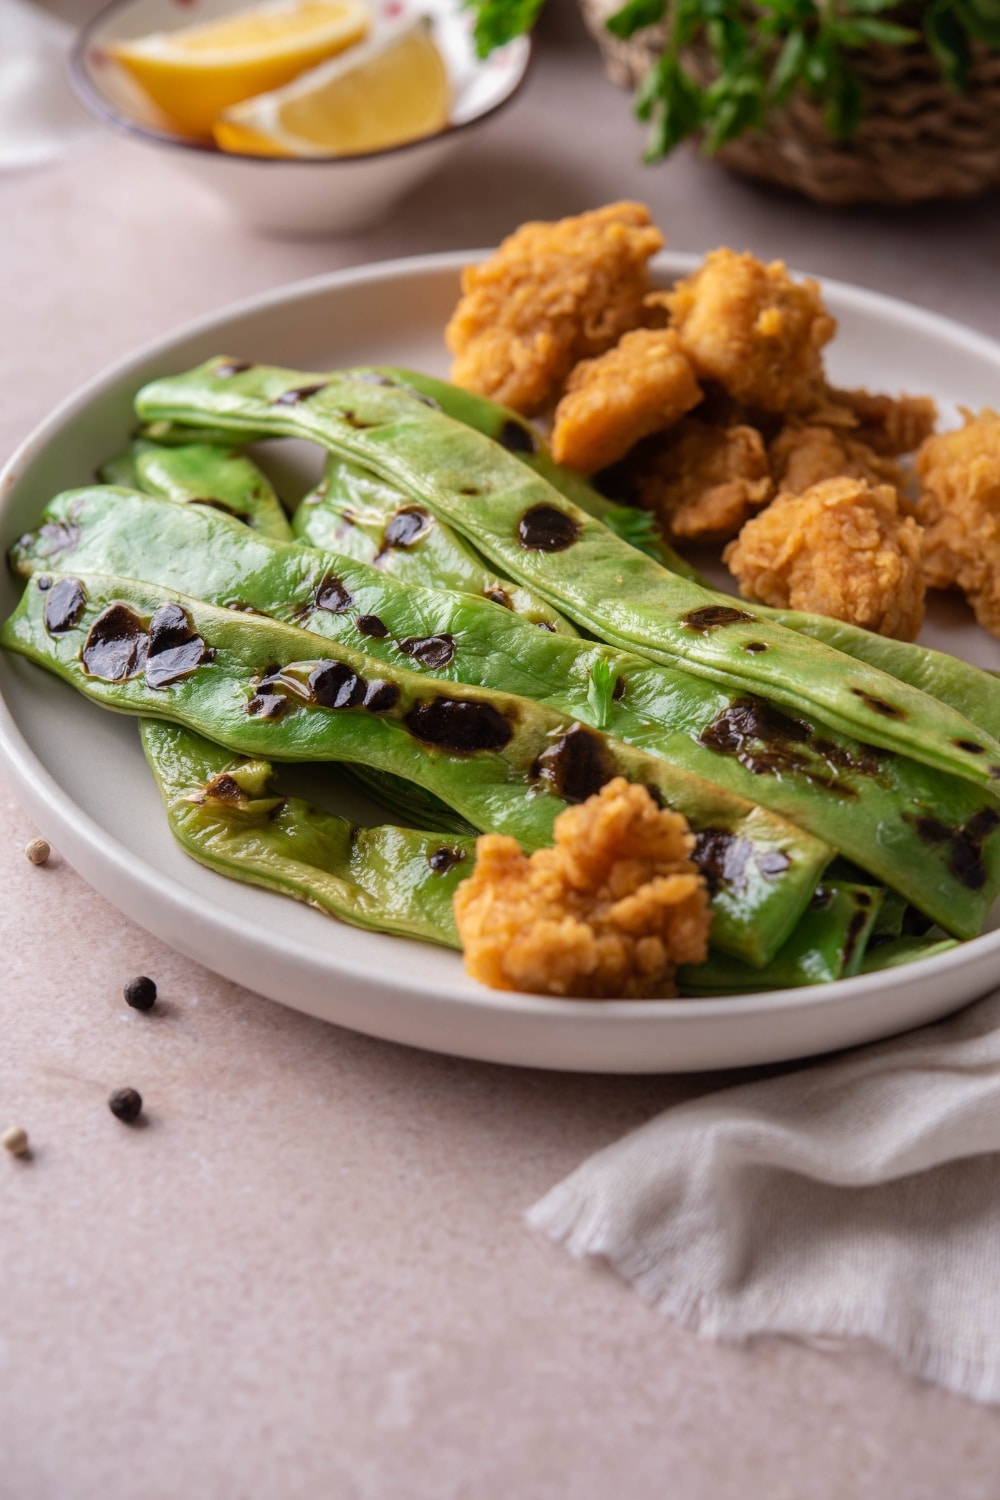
618 691
856 926
380 696
444 859
769 742
55 537
268 705
116 645
64 604
333 596
713 616
879 705
332 684
403 529
725 858
970 747
516 437
576 765
470 491
372 377
756 647
546 625
372 626
963 843
353 420
175 648
498 596
299 393
432 651
232 367
222 788
461 726
544 528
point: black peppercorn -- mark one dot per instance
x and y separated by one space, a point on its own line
140 993
125 1104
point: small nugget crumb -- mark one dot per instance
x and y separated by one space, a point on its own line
754 330
37 851
551 295
842 549
15 1140
641 386
609 912
703 481
960 508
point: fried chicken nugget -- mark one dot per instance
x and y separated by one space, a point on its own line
609 912
960 508
551 295
889 425
643 385
704 482
806 453
754 330
842 548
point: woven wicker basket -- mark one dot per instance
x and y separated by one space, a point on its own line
918 140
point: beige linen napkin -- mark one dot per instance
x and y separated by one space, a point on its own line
858 1197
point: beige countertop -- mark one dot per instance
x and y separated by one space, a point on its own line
309 1275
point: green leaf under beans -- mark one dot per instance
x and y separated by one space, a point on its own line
504 763
586 572
396 880
908 825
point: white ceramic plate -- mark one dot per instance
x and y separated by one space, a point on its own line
83 778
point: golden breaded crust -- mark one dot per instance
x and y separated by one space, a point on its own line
551 295
960 509
704 482
753 329
890 425
643 385
805 453
608 913
842 548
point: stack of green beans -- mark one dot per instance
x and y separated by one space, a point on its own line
423 629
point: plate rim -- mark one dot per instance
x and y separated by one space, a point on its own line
39 788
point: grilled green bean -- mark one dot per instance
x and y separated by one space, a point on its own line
504 763
933 836
355 513
222 812
829 943
517 520
202 474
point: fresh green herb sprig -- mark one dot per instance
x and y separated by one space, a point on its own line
760 54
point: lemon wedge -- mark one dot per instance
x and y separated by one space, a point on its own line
197 72
393 89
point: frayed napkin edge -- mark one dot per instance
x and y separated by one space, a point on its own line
571 1221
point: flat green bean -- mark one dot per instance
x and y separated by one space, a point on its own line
223 813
